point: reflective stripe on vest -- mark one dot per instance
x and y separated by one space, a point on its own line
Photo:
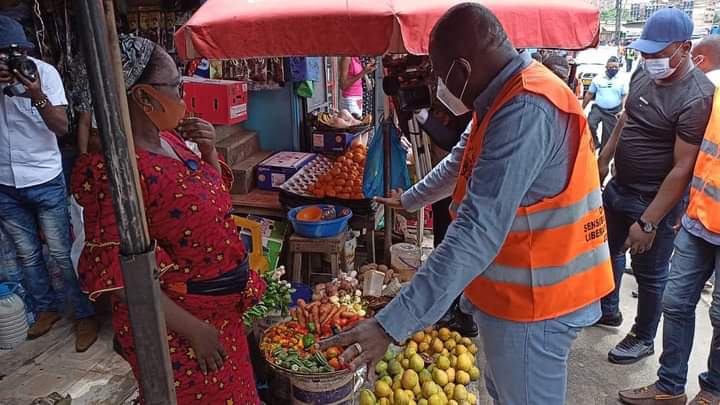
704 203
555 258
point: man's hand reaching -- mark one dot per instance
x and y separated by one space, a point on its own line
393 200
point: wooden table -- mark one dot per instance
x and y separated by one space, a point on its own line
259 202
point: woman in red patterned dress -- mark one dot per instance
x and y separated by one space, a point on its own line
205 279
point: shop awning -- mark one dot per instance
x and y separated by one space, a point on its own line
226 29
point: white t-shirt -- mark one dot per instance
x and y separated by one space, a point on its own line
29 152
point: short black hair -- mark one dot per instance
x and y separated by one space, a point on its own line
613 59
464 24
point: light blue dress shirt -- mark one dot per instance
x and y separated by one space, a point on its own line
525 158
608 92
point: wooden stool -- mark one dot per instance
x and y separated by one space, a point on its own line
334 247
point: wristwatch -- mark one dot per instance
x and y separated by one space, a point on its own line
647 227
41 103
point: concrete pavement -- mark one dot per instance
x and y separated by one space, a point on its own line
592 380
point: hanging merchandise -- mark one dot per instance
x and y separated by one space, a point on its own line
373 183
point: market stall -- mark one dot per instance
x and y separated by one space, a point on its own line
435 363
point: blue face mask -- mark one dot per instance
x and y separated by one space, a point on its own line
611 72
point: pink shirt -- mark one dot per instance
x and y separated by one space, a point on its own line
355 90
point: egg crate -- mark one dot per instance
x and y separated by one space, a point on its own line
298 184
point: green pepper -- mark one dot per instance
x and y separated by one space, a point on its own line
311 327
308 340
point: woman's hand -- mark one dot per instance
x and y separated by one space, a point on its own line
203 134
210 353
369 68
199 131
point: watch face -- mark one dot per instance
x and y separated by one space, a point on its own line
648 228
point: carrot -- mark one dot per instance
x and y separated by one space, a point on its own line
301 318
325 310
347 314
333 312
316 314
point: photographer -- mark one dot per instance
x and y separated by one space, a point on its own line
33 194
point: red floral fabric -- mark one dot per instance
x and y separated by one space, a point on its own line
188 210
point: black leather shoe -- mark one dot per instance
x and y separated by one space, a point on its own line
610 320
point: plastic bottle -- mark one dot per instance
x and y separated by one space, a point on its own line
13 320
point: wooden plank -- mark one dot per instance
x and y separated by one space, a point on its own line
259 199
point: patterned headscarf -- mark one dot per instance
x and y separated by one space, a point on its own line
135 52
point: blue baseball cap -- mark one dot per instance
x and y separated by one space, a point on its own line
12 33
664 27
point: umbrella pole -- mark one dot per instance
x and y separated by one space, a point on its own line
387 177
102 56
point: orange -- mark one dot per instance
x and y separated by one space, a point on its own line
312 213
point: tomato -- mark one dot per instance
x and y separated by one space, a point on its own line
334 363
333 352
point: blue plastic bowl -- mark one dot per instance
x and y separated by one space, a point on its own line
302 291
320 229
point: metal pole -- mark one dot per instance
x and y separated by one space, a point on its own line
139 268
618 21
387 177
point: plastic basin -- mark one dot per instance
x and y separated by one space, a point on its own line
323 228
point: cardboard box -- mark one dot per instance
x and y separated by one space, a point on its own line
245 172
273 238
336 141
278 168
221 102
236 148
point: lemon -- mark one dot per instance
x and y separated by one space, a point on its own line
451 374
440 377
466 342
456 336
388 380
462 378
450 344
445 352
425 376
383 401
464 362
381 367
449 389
424 347
444 334
472 399
388 355
473 348
417 391
422 401
405 364
419 337
382 389
401 397
367 397
395 368
443 363
435 400
410 379
453 361
460 393
474 374
437 345
452 402
460 349
417 363
429 389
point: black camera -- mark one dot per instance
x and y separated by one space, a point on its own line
16 60
408 80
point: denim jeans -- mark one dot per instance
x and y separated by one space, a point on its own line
623 207
527 361
24 212
693 264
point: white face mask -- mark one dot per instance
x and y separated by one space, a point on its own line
449 100
659 68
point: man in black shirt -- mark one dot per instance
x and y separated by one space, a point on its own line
655 145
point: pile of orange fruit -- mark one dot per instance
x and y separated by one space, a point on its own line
345 178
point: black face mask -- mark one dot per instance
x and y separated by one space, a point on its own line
612 72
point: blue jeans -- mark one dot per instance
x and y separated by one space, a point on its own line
527 361
693 264
23 213
623 207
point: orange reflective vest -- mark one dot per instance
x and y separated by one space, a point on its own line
705 185
555 259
